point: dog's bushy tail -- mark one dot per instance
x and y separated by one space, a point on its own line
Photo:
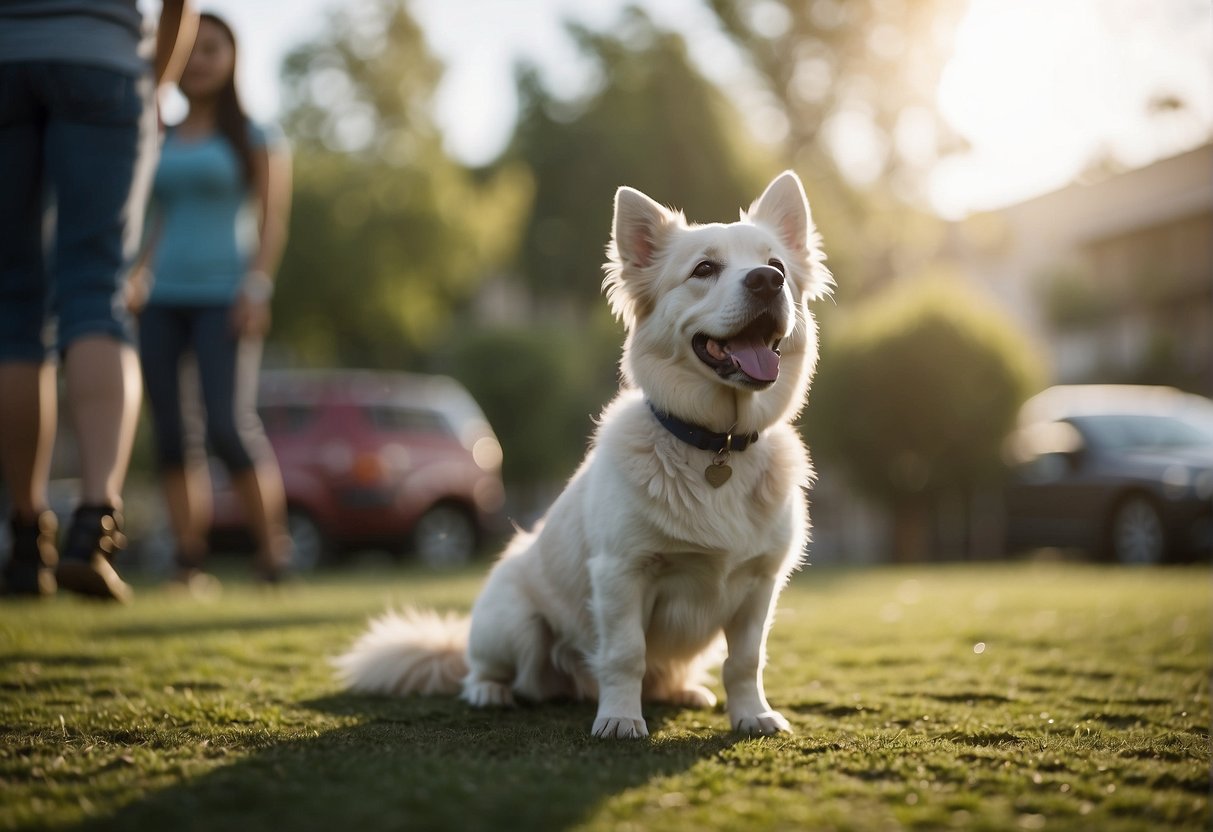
408 652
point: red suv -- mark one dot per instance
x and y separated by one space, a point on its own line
375 459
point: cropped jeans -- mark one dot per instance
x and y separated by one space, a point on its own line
228 367
77 153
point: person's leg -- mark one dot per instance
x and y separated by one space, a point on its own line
275 549
103 387
164 338
187 496
98 159
196 490
27 380
27 433
228 369
99 150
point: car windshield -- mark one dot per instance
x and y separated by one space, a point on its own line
1123 431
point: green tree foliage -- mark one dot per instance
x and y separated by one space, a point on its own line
389 237
855 72
655 123
364 87
916 392
540 389
875 62
383 258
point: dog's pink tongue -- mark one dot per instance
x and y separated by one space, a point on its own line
756 359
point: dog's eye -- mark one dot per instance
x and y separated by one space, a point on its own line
706 268
777 265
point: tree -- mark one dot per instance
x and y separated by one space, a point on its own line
847 74
870 66
389 237
364 87
540 389
915 393
655 123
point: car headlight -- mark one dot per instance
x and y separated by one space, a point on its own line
1180 482
1202 484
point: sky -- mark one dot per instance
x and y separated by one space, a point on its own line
1037 88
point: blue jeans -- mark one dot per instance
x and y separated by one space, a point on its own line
77 154
227 376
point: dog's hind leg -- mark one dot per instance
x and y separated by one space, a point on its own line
674 682
508 645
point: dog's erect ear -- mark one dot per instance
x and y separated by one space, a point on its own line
784 207
641 229
640 225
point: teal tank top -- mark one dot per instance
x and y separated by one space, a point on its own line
206 217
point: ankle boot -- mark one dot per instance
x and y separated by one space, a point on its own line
85 566
30 570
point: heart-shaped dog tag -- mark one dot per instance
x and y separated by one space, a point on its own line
717 474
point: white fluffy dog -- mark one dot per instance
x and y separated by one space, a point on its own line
688 514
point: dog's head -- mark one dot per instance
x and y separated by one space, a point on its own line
719 328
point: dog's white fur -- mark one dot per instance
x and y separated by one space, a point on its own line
623 591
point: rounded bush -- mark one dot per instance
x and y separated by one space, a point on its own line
917 389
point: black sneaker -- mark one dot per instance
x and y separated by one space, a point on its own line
84 566
30 571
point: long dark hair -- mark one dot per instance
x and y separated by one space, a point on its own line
230 118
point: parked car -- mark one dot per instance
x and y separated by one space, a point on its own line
1122 471
376 460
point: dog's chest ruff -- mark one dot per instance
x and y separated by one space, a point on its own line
748 516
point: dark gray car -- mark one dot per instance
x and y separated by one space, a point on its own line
1125 472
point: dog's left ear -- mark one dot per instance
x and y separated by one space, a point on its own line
784 207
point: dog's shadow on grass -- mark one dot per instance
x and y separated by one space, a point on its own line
430 764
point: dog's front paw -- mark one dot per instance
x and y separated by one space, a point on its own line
619 727
765 723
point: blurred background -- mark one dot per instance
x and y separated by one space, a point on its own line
1011 196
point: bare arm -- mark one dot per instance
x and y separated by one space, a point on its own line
174 39
139 278
272 188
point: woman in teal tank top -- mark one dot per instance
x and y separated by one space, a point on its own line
220 201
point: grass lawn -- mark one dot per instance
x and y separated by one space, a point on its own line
1024 696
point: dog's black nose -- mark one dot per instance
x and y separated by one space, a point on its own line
764 282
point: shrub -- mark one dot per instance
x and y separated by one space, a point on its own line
540 389
915 393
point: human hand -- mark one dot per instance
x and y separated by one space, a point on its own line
136 290
250 317
251 313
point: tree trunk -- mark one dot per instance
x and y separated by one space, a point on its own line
911 531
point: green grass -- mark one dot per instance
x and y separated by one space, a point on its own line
993 697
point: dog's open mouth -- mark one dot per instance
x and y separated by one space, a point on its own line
750 356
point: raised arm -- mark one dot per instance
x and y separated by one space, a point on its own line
174 39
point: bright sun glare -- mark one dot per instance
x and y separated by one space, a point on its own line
1042 89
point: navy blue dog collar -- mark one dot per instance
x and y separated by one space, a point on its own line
700 437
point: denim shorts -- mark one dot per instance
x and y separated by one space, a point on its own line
77 153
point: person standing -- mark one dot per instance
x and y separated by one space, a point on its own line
221 197
78 136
